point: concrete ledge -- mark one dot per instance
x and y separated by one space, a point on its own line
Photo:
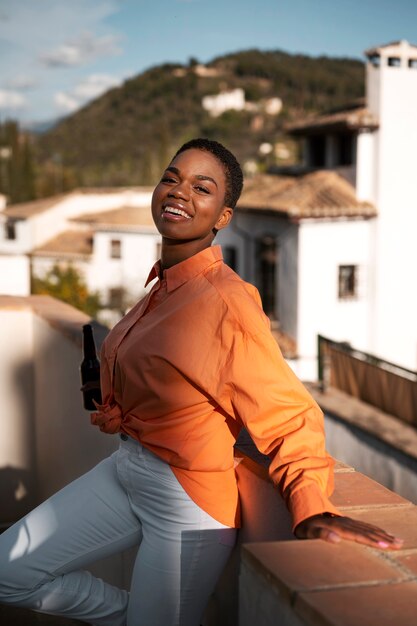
367 418
313 583
61 316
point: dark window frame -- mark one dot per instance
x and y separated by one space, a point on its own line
375 60
230 257
348 282
115 298
394 62
267 258
10 230
115 249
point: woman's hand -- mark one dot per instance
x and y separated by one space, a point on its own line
333 528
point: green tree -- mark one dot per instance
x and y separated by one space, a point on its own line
17 176
66 284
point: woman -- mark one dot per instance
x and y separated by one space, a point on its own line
181 373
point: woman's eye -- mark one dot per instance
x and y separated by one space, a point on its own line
168 179
203 189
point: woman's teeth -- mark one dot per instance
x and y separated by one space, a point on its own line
170 209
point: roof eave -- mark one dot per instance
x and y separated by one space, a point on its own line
316 128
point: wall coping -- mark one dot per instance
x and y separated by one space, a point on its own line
344 584
63 317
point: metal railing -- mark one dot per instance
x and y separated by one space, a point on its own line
386 385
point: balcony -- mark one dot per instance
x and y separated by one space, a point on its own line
271 578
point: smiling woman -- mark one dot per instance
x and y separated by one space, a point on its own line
182 372
190 204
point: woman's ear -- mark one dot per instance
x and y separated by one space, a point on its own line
224 219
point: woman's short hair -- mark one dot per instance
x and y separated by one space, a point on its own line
232 169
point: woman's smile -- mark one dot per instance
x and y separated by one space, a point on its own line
175 211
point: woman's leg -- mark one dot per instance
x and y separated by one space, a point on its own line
183 550
42 556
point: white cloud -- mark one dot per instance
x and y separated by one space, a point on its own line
65 102
86 47
11 99
94 85
91 87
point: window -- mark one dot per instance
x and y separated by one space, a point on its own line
230 256
116 295
116 249
317 151
266 273
412 63
348 282
10 230
344 149
394 61
375 59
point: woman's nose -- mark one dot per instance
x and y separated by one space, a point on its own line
180 190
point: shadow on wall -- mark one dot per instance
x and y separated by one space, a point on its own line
16 496
18 481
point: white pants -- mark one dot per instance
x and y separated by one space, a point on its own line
129 498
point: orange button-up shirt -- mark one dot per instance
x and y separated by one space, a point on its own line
191 363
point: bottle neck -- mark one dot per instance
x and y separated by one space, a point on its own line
89 348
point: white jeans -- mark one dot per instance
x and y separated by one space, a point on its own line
129 498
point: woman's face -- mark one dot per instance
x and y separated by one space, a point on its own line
188 203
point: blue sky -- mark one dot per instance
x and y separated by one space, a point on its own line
56 55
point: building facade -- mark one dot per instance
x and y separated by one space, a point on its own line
343 266
107 235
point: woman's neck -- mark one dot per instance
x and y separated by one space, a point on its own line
174 251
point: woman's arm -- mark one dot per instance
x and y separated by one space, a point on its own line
286 423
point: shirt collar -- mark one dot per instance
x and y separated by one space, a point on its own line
180 273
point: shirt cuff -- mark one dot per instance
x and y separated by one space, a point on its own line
308 501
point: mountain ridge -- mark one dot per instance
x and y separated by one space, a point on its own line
127 135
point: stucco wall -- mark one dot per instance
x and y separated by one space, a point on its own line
66 443
392 96
323 246
47 439
14 275
370 455
138 254
18 483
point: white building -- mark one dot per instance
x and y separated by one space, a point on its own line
225 101
333 251
297 239
108 235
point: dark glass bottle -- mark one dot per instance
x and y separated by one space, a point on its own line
90 369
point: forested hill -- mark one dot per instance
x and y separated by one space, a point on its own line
127 135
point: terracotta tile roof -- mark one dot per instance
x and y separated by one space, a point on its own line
359 118
104 190
128 216
70 243
25 210
318 195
